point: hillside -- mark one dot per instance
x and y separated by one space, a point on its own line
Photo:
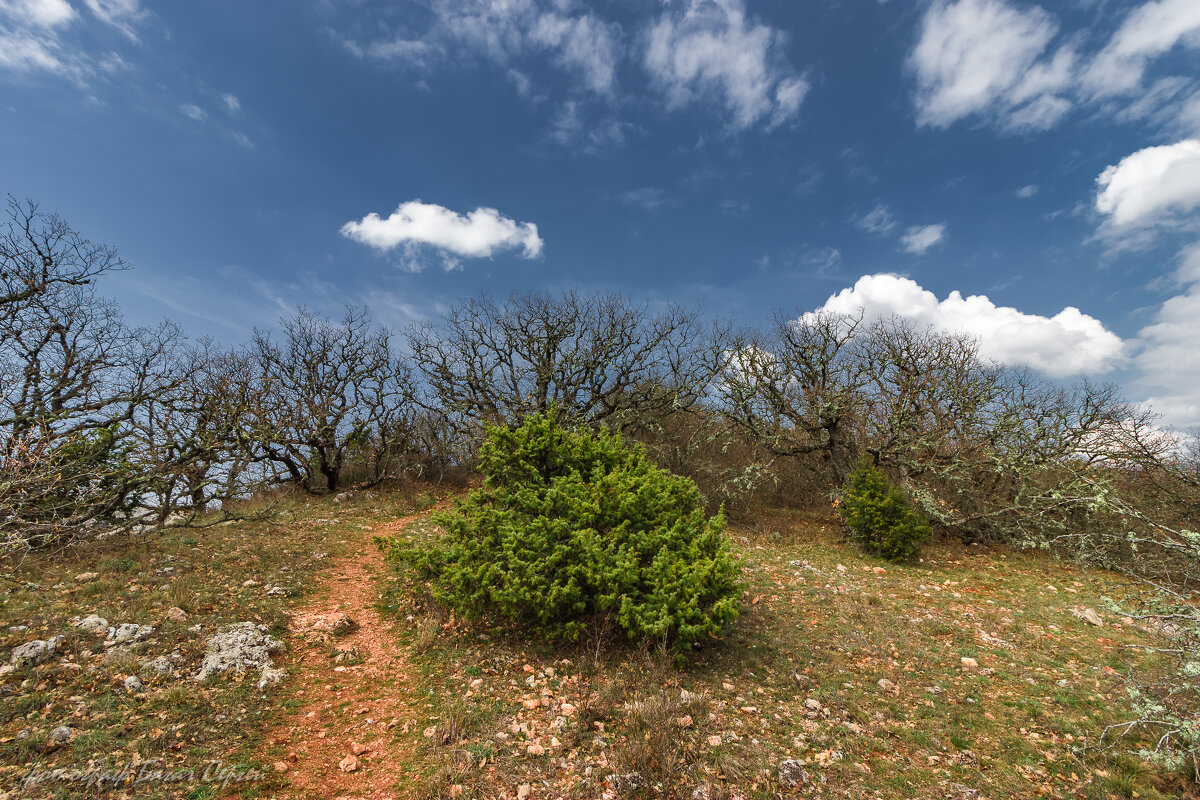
965 675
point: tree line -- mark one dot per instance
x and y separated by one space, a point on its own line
108 427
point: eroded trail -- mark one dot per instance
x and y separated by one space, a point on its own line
341 740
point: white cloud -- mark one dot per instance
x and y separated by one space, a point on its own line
44 36
1147 32
1168 361
478 234
1069 343
991 58
648 198
583 44
37 13
708 50
570 128
997 60
22 52
878 220
508 30
192 110
1027 191
414 51
121 14
919 238
1152 185
232 104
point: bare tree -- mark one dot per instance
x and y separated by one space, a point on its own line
334 390
798 387
39 252
598 357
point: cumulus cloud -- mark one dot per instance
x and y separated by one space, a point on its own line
1168 361
992 58
1152 185
477 234
707 50
919 238
1069 343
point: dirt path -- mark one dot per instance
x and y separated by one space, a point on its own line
340 740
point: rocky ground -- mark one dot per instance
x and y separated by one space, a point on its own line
286 658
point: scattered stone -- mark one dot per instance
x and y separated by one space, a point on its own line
250 584
1088 615
116 656
341 497
91 624
934 690
238 648
84 577
35 652
793 774
886 685
879 570
358 749
812 704
987 672
161 667
133 685
280 766
270 676
969 663
967 758
278 591
523 791
535 749
625 783
176 614
129 632
713 740
702 792
965 792
336 624
348 764
1062 684
841 567
61 736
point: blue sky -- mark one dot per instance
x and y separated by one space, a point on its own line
1042 162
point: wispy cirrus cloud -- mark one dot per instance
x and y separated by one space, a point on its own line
1010 64
53 37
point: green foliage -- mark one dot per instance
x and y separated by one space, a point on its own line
573 526
880 517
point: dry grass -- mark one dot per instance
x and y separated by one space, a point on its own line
201 571
819 624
